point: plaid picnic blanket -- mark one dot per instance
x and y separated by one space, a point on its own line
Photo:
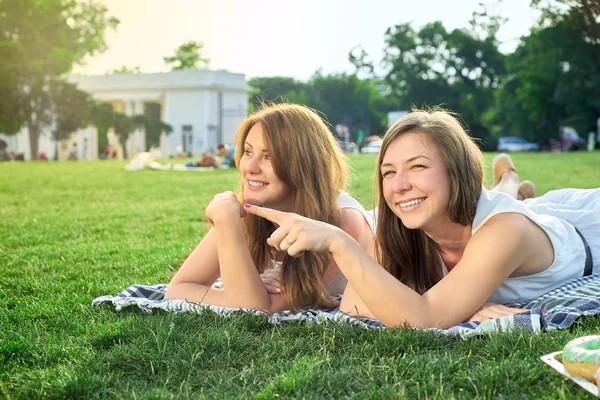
557 309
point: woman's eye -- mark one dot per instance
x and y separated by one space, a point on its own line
417 166
267 157
247 152
387 173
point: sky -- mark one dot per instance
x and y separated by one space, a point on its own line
280 37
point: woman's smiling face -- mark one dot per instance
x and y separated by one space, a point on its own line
416 184
261 185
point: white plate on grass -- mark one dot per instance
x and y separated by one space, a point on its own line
551 360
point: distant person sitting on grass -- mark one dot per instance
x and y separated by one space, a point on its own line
288 161
227 155
208 160
444 245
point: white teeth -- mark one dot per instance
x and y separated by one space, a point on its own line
411 203
256 184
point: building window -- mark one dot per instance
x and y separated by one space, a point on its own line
187 136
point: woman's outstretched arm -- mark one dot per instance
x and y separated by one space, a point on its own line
491 257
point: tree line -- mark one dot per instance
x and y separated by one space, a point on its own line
551 79
40 42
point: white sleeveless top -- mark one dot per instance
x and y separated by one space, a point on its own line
554 213
337 283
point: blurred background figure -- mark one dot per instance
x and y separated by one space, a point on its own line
360 138
73 153
208 160
343 132
110 151
179 150
570 139
226 154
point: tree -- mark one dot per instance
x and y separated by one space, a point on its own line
103 117
266 90
187 56
151 123
554 74
40 42
126 70
338 97
459 69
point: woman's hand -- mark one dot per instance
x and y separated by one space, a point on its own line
272 280
297 234
493 310
224 205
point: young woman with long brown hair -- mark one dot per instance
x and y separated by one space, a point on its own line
447 245
289 161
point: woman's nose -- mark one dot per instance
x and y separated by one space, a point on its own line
401 182
253 165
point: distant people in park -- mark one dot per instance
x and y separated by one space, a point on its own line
342 131
360 138
445 245
208 160
116 148
42 156
289 161
179 150
73 152
570 139
110 151
227 155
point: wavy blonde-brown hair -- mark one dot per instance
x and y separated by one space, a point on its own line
409 254
306 157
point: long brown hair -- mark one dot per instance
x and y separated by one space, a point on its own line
306 157
409 254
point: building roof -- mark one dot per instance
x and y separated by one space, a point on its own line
185 79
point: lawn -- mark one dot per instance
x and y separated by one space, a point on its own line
73 231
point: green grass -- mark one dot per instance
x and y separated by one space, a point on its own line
70 232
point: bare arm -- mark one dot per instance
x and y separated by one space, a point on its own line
500 246
199 271
456 297
355 225
223 252
351 302
241 281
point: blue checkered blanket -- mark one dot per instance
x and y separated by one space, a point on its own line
557 309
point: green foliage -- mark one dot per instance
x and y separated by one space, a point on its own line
433 66
188 56
554 74
124 227
103 117
126 70
40 41
153 127
71 108
338 97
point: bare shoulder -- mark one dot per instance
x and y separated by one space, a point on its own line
506 230
353 221
513 223
354 224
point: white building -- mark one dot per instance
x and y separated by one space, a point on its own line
203 107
